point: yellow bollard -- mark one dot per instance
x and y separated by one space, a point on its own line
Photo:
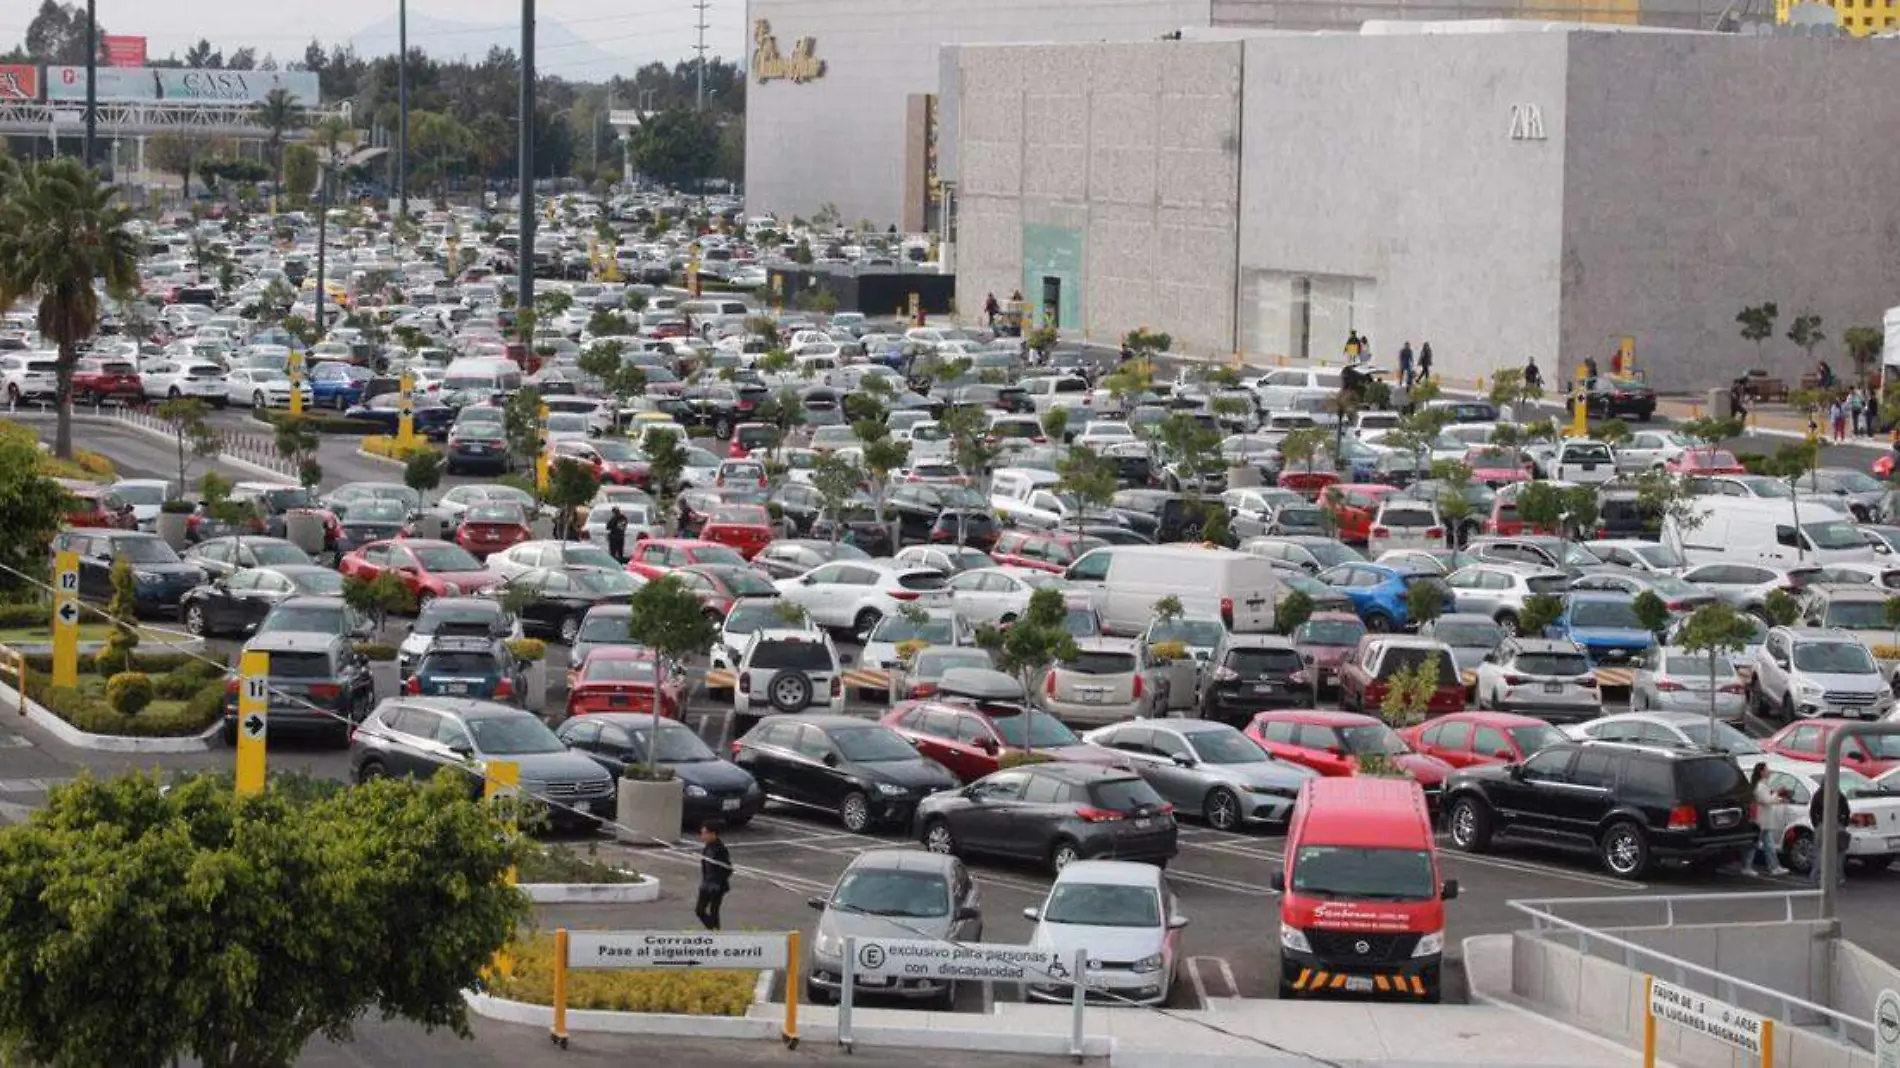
559 1034
1480 383
790 1034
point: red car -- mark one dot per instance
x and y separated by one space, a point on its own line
1495 467
654 557
1042 550
1365 675
745 527
96 380
1464 739
617 461
491 526
1807 740
971 741
1706 462
1331 743
619 678
719 586
1325 642
429 568
96 506
1309 484
1352 506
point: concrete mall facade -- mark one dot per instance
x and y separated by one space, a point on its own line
1502 189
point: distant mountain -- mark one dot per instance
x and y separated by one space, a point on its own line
610 47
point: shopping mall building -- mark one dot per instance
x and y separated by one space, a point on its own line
1262 176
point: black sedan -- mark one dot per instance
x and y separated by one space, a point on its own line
864 772
714 789
431 419
371 519
237 603
553 601
1617 398
1054 813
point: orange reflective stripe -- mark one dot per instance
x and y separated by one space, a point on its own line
1379 981
1300 983
1339 980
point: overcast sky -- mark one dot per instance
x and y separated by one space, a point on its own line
633 30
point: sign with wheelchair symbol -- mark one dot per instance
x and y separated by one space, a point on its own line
871 957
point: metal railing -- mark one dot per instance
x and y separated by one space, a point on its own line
1545 922
259 448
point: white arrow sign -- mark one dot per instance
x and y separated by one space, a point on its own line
68 613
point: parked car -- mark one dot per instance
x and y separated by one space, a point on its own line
1465 739
1208 769
1247 672
622 679
864 773
1803 672
238 603
1873 824
428 569
1366 675
554 601
319 686
893 893
1380 594
971 738
1056 813
787 669
160 578
1123 915
854 596
712 788
1674 679
1105 680
1471 638
468 666
1680 730
1605 627
1325 642
1548 678
1333 743
1808 741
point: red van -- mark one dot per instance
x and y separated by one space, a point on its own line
1362 907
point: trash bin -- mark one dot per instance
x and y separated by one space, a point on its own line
1719 404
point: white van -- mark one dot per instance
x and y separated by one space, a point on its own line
711 314
484 374
1743 528
1125 581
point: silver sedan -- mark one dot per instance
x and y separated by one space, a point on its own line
1206 768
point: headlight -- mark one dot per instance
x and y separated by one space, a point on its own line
146 576
695 791
827 944
1151 963
1809 690
1431 944
892 789
1294 939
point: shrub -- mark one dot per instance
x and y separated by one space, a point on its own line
207 704
385 446
176 686
528 650
178 506
710 993
94 464
31 614
558 864
378 651
129 692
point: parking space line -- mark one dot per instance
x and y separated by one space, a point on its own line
1529 867
1200 983
1215 882
1238 849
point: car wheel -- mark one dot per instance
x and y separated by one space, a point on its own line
818 995
855 812
570 629
172 393
866 622
1222 809
1625 850
789 691
1379 623
258 401
1802 855
371 769
722 428
1008 618
1470 824
938 839
195 619
1507 622
1063 854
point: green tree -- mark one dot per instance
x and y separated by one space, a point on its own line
1652 612
1055 423
606 361
378 597
678 147
1891 610
1863 344
1293 612
1508 388
1716 629
32 507
152 921
62 231
278 113
1805 331
570 485
1780 608
297 440
1791 462
1408 696
670 621
1193 449
1088 478
521 425
1302 446
1541 610
300 171
1758 323
1424 602
970 445
838 481
1611 432
1027 648
422 472
1453 501
666 466
190 420
122 613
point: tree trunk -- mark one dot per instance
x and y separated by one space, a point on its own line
63 373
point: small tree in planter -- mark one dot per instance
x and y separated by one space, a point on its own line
376 598
422 472
570 485
1424 602
1408 697
671 623
1716 629
1781 609
190 421
666 465
1293 613
1541 610
1652 612
123 610
1027 647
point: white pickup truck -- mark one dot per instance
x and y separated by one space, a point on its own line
1060 391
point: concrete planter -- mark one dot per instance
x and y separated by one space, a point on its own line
1242 476
649 813
386 677
172 526
305 531
541 528
536 699
431 527
1182 676
645 891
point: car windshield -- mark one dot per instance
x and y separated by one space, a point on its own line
717 554
892 892
1658 555
1225 747
1882 746
495 512
1531 739
1708 778
438 559
1834 658
319 581
617 669
611 627
871 745
749 615
135 494
1253 663
307 619
464 616
1857 482
1473 635
377 510
1552 663
937 630
1834 534
154 551
1857 615
1081 623
607 583
459 664
678 744
1044 731
745 515
1330 632
588 556
1361 873
1726 738
1100 662
1611 614
513 735
1204 633
1373 739
798 654
1103 905
1332 553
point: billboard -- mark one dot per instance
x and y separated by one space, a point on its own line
123 50
19 81
117 85
236 86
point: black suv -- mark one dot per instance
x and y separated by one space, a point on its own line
1249 672
309 669
159 577
462 666
1631 805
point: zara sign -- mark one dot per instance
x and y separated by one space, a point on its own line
1527 122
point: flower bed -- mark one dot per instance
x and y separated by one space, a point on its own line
696 993
559 864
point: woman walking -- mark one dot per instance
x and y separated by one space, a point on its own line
1771 816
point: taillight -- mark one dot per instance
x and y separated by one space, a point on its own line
1227 611
1434 532
735 748
1226 674
1666 686
1733 687
1588 682
922 689
1138 687
1682 817
1860 819
1049 684
745 683
413 686
1675 606
324 691
1515 680
1381 532
505 688
231 687
1090 814
902 595
837 686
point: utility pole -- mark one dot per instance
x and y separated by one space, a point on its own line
402 109
524 258
92 79
699 97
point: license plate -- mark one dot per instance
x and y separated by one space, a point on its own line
1263 687
1093 697
875 980
456 687
1553 687
1359 984
730 804
1893 845
619 700
1144 823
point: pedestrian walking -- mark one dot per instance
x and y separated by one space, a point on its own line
1770 812
1873 411
1825 373
715 875
1405 365
1837 419
617 534
1857 410
1738 397
1533 375
1353 344
1817 808
1590 372
991 309
1424 361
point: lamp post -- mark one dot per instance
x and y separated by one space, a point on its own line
92 78
524 236
402 109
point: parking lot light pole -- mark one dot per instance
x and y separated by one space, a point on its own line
402 110
1831 856
524 236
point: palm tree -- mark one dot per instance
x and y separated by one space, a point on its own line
279 114
61 231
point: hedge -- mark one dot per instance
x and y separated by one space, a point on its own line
322 422
150 663
385 445
694 993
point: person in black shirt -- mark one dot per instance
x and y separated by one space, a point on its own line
715 876
1817 812
617 534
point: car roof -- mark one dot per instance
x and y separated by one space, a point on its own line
1543 645
899 859
292 641
1111 873
1258 641
1489 718
1327 716
822 720
1364 811
463 643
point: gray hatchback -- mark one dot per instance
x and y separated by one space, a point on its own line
893 893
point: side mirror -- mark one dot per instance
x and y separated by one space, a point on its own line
1175 923
1183 760
1032 913
818 903
1515 771
845 659
1277 882
1449 891
831 760
462 749
967 914
1505 755
989 745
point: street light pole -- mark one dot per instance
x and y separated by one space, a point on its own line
524 257
402 109
92 78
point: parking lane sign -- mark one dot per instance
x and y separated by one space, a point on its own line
671 949
1887 1029
922 958
1749 1032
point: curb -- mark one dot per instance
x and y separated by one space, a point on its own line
367 455
645 891
110 743
601 1021
255 468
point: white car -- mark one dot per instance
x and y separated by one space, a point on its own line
170 379
949 559
1115 911
1545 677
1648 450
146 496
529 555
787 669
1584 462
938 627
1673 679
747 615
1105 432
1676 730
569 426
29 375
702 469
1807 672
458 499
1405 525
1870 842
991 595
261 387
856 595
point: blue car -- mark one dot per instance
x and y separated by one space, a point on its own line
1604 625
337 385
1378 592
431 419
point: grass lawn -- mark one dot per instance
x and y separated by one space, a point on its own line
89 632
163 718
